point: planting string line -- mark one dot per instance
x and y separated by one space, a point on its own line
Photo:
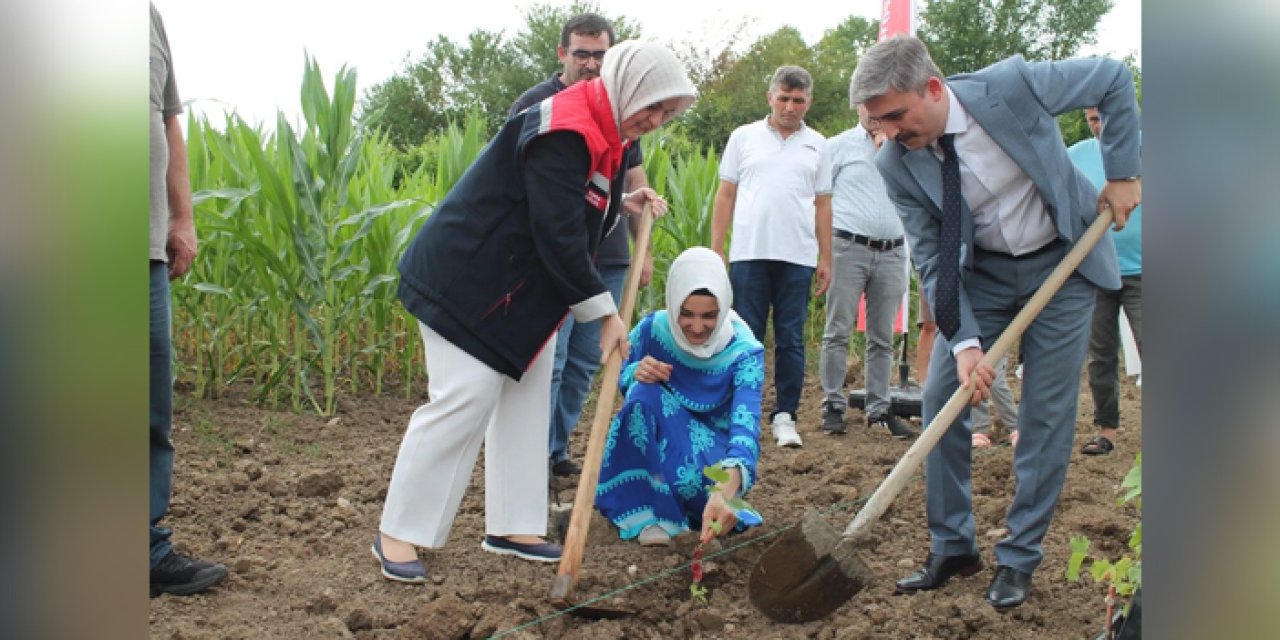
839 506
668 572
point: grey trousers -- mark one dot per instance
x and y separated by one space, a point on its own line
1104 346
1054 345
882 275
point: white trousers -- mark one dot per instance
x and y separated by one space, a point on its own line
470 403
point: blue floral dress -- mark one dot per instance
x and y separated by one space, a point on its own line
658 443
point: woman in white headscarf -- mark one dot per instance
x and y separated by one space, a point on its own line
490 276
692 384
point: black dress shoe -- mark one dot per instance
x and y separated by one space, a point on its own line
937 570
1009 588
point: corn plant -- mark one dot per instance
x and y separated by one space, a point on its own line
300 233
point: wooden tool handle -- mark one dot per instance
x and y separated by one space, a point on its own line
914 457
584 500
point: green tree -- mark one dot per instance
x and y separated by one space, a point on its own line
733 92
835 57
967 35
484 73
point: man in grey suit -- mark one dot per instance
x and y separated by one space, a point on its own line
991 203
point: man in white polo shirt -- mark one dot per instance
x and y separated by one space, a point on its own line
775 189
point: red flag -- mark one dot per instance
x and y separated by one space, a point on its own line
896 18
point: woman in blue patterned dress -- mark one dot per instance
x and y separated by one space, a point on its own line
692 386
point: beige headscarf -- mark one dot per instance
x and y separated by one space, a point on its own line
637 74
700 268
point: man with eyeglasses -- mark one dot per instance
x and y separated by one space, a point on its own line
584 39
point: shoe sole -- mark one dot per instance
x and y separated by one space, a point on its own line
200 583
519 554
790 445
392 576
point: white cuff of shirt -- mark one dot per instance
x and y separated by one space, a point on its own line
594 308
965 344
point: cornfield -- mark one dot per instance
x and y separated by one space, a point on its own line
293 290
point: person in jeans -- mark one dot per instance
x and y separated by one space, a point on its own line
868 257
173 247
1104 335
583 42
775 190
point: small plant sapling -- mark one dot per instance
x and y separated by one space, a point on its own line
742 510
1124 576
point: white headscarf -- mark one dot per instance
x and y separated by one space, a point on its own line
700 268
638 74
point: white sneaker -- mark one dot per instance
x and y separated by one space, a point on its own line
784 430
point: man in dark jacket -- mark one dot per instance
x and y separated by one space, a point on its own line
583 42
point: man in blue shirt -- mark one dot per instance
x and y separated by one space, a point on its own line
1104 338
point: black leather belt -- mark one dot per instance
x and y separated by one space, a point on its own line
1052 245
878 245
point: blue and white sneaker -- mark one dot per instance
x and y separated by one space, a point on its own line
542 552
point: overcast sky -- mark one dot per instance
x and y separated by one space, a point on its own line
248 54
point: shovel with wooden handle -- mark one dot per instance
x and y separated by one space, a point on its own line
813 570
584 499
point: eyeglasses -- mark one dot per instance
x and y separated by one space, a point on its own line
581 55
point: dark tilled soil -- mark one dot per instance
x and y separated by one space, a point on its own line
290 502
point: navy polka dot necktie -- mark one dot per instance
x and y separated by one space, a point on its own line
947 312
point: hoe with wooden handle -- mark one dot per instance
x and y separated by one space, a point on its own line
584 499
813 570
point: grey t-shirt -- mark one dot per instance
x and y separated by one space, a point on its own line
164 103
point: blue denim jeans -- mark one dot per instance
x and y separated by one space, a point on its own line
759 284
577 359
161 409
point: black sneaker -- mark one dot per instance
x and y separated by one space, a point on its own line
565 468
182 575
832 420
897 428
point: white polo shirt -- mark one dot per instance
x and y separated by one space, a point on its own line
777 178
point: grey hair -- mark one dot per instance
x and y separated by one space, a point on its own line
791 77
901 63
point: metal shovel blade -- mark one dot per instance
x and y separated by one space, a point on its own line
812 570
807 573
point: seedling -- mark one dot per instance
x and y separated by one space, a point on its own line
742 510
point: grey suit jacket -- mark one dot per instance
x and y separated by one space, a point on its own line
1017 103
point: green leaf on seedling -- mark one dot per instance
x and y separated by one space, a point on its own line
1135 540
716 472
716 527
1133 481
1101 570
698 593
1079 549
1122 567
738 504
